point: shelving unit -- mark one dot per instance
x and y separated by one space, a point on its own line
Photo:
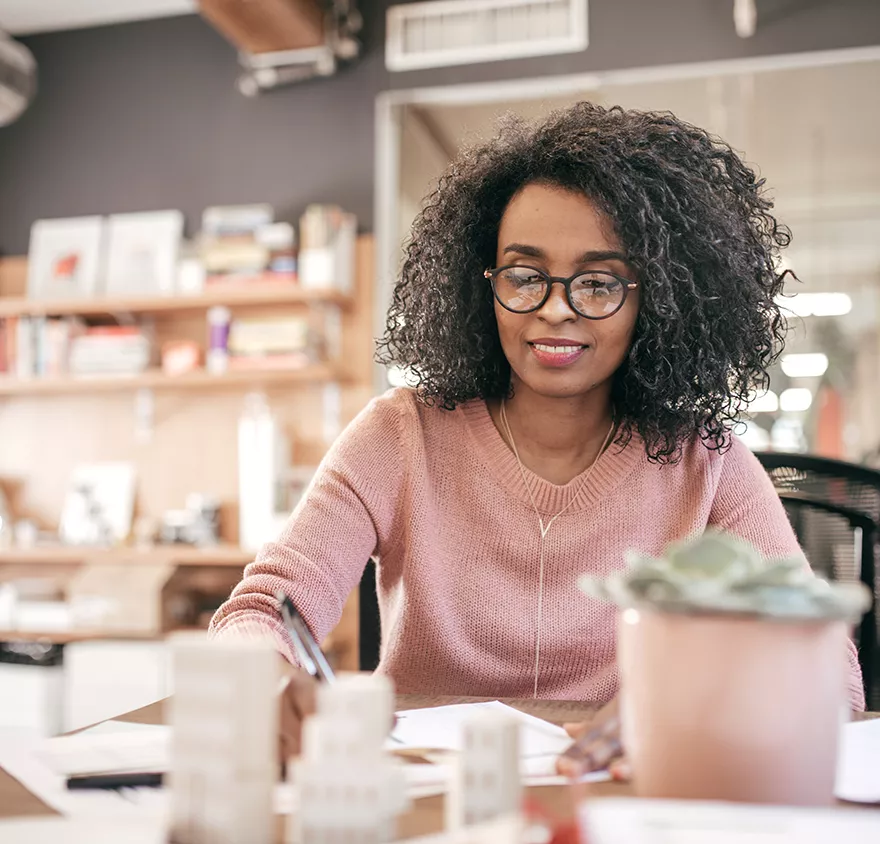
67 637
255 296
177 555
52 425
158 380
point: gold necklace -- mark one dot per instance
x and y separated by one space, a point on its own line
545 528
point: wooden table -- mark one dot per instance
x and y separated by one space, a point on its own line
426 815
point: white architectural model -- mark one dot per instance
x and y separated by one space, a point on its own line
224 717
349 790
486 779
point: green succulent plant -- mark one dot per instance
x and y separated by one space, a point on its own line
717 572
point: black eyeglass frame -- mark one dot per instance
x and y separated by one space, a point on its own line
491 274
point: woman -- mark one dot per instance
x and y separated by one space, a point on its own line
584 308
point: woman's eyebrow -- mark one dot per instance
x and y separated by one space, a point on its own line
524 249
588 257
602 255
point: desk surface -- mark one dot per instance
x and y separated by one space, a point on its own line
426 816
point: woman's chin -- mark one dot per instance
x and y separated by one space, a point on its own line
559 386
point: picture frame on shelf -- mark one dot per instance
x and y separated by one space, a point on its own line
142 253
99 504
65 258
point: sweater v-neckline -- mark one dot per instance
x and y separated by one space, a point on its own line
611 467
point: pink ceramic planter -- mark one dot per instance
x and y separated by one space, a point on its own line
736 708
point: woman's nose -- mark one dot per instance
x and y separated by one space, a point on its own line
556 309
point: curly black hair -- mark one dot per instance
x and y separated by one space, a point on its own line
696 224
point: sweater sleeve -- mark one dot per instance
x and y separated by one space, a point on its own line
747 505
346 515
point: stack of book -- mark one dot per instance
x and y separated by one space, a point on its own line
271 343
37 346
242 244
110 350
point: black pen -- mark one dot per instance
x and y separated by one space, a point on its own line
307 649
112 781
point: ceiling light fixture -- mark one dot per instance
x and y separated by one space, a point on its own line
816 304
810 365
796 400
745 17
765 401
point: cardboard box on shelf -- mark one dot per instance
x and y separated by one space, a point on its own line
119 598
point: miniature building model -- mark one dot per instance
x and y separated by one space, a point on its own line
349 789
486 780
224 717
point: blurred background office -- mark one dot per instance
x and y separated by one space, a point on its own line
201 211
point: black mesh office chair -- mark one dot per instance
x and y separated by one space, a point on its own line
834 508
369 627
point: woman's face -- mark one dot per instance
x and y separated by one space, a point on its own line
555 351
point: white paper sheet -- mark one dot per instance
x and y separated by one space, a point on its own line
858 763
22 761
629 821
439 731
110 750
55 830
440 728
427 780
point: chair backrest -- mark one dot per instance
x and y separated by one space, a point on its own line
834 508
834 481
369 624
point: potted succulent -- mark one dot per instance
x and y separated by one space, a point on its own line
733 672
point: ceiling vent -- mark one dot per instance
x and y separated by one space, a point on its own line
18 79
450 32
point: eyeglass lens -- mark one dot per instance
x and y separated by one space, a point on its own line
593 294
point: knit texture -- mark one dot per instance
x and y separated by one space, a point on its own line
436 497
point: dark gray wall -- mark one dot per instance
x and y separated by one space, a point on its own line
145 115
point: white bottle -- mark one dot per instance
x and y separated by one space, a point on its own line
263 456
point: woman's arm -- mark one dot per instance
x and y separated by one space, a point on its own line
347 515
747 505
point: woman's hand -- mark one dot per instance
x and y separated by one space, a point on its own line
296 701
596 746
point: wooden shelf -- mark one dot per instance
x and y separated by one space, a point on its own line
158 380
221 555
65 637
255 295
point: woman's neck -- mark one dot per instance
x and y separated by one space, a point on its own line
557 438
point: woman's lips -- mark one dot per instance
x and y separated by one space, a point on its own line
558 353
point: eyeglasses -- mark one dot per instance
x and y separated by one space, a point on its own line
594 294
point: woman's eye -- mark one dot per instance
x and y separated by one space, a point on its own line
597 285
523 276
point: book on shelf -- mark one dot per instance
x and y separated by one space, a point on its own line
37 346
119 349
272 343
46 347
243 245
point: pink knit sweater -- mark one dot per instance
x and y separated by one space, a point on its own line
437 498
